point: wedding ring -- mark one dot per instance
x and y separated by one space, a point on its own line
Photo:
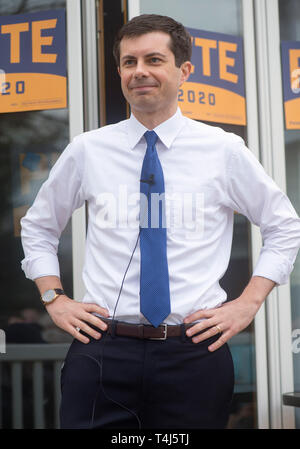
219 329
77 329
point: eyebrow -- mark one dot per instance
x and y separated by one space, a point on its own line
148 55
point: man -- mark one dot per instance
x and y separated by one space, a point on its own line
166 362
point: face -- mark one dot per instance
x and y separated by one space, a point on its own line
149 77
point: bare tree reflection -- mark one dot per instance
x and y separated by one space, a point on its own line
35 128
22 6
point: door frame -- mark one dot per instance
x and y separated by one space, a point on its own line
76 126
253 143
272 146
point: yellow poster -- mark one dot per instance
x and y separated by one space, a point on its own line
215 90
290 57
33 61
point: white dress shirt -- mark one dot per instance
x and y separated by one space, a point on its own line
208 174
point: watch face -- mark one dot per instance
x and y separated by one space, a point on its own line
49 295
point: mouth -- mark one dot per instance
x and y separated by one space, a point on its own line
144 88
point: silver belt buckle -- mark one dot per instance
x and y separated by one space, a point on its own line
164 331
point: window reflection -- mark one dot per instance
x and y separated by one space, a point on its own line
30 143
215 15
21 6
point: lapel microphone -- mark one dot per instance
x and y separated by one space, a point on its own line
150 180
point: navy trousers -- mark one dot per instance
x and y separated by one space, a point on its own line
123 382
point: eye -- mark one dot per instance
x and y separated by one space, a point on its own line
154 59
128 62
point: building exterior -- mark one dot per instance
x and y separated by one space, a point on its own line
267 354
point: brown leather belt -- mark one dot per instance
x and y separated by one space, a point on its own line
146 331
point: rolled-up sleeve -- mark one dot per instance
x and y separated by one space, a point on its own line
45 220
254 194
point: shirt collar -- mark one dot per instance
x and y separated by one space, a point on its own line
166 131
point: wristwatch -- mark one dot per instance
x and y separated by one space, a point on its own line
50 295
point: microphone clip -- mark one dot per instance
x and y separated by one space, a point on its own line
148 181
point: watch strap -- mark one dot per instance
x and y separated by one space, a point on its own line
58 292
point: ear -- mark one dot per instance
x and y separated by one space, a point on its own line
119 72
186 69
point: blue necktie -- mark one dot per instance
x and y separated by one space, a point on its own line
154 275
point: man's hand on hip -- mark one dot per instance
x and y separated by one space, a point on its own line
229 319
72 316
232 317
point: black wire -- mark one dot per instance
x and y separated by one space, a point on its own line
104 337
100 363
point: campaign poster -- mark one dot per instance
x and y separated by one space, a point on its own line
215 90
290 63
33 61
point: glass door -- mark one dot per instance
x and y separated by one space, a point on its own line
30 142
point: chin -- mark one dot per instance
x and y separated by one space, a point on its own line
145 107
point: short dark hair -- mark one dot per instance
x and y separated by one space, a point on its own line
180 45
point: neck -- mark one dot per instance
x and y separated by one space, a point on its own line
152 119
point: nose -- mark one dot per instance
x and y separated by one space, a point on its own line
140 70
